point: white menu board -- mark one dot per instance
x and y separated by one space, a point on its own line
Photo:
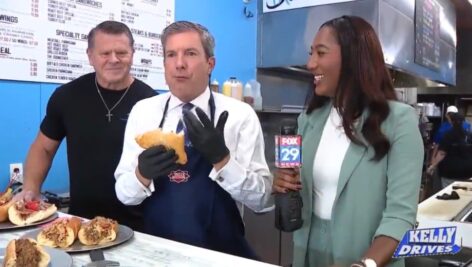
278 5
46 40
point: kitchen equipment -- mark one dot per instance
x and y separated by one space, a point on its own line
445 210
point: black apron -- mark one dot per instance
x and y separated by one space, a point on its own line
187 206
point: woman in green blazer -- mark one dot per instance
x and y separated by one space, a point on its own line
362 154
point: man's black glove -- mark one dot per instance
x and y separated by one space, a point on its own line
206 138
157 161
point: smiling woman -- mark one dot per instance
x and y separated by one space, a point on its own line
362 154
325 62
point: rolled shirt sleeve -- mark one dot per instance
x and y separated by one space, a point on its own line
405 160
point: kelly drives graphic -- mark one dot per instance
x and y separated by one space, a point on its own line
426 242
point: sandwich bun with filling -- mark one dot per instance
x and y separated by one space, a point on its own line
170 140
6 200
27 212
25 252
61 232
99 230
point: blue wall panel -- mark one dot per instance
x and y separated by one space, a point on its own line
19 119
23 104
235 34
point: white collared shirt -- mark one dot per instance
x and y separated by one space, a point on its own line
246 176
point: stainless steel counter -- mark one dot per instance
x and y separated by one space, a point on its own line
433 212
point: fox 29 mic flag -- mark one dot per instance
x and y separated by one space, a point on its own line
288 151
426 242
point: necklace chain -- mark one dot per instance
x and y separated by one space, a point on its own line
109 114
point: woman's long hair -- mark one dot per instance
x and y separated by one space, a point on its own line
364 82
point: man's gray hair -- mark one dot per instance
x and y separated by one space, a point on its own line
208 41
110 27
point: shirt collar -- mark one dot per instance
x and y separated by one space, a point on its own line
200 101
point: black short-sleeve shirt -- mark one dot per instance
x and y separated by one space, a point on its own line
94 145
458 161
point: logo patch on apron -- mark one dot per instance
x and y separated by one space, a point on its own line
179 176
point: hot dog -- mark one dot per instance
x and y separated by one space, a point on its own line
100 230
170 140
25 252
5 203
60 233
27 212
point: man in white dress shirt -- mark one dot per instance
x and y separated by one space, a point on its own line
200 202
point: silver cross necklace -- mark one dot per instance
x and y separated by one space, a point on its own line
109 114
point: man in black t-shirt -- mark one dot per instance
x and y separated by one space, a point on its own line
91 113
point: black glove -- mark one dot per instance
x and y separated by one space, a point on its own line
209 140
157 161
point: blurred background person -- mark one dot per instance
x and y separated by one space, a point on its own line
446 125
454 156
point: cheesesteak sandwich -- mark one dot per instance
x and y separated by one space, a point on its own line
25 253
60 233
170 140
100 230
27 212
5 203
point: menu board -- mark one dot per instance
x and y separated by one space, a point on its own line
279 5
427 30
46 40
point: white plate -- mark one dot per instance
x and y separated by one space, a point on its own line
124 234
58 257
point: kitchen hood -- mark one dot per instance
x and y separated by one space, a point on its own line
284 37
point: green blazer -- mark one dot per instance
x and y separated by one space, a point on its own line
373 197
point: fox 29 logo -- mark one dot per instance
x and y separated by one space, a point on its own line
430 241
288 151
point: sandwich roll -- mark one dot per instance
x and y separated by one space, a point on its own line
5 203
98 231
25 252
27 212
170 140
60 233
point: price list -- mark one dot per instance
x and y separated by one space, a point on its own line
46 40
427 33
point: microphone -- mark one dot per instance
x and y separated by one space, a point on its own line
288 206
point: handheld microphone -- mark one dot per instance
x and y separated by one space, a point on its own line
288 206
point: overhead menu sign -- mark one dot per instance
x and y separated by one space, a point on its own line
427 33
46 40
278 5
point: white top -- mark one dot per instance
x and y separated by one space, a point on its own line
246 176
327 165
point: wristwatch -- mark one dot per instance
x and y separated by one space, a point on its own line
369 262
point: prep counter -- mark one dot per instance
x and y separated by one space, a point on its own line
146 250
434 212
